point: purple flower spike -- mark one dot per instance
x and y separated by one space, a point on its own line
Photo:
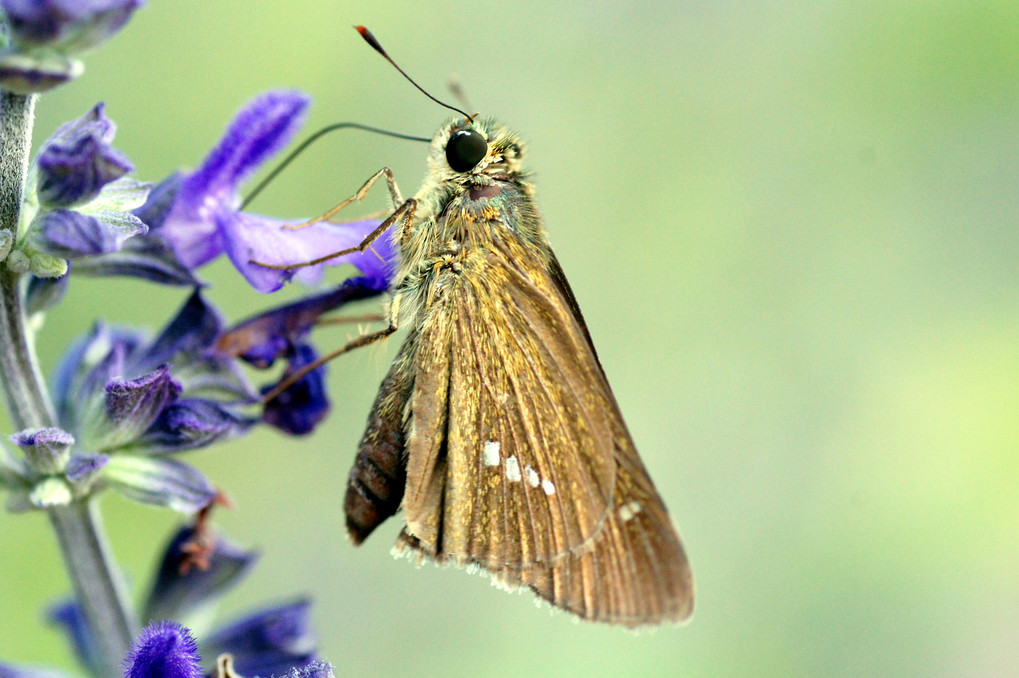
78 161
66 26
163 650
260 130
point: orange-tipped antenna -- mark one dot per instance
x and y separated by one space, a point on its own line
370 39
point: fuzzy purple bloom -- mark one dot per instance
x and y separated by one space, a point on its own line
163 650
121 397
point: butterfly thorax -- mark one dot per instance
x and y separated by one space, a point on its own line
463 217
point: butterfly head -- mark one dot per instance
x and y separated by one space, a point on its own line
475 152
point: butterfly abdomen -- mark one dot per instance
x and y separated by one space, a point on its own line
376 482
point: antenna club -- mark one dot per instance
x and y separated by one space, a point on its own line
370 39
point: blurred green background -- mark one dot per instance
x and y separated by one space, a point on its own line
792 229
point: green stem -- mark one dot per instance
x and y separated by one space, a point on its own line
91 568
97 583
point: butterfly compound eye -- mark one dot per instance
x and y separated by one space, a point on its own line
465 149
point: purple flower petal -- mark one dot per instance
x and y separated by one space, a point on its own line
66 25
132 405
44 293
192 423
11 671
47 449
300 407
78 160
67 233
141 257
264 338
159 481
191 332
175 593
86 367
28 74
163 649
83 467
250 238
269 642
69 617
259 130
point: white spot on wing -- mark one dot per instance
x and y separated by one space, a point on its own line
532 476
512 469
628 510
491 453
548 487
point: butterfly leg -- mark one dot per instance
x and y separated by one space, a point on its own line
394 193
404 212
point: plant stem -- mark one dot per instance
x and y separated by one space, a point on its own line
96 578
97 583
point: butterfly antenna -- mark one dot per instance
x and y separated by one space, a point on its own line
370 39
312 139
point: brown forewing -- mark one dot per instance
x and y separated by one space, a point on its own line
518 458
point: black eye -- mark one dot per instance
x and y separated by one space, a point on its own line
465 149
